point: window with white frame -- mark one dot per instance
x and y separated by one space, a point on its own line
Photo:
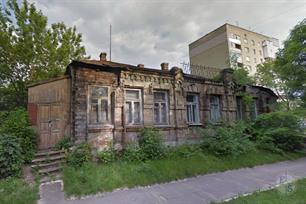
98 105
215 113
247 58
193 111
161 107
133 107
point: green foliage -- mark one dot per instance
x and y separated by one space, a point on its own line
10 156
287 74
247 99
78 156
151 144
279 129
31 50
230 140
63 143
106 156
93 178
267 75
241 77
291 61
133 153
183 151
267 143
17 191
16 123
287 193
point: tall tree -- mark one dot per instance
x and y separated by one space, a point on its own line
287 73
291 62
267 75
31 51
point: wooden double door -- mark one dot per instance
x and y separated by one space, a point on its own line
50 125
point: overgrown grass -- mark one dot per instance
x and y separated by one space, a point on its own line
93 178
276 196
16 191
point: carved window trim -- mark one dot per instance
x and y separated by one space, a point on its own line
193 109
158 105
215 108
130 106
99 100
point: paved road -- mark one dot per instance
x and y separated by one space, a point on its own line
201 189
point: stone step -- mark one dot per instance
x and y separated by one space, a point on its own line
51 177
48 159
49 170
49 153
49 164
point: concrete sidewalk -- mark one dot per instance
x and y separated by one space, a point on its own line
201 189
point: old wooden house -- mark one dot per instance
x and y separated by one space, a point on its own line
104 102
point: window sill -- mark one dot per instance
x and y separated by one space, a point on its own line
134 126
163 126
195 124
100 126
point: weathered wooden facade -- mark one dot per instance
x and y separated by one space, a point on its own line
49 110
104 103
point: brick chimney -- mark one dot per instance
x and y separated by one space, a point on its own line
103 56
140 65
164 66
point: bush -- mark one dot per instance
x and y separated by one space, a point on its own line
78 156
267 143
183 151
230 140
151 144
10 156
63 143
133 153
106 156
280 129
16 123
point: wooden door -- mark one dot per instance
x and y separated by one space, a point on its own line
50 131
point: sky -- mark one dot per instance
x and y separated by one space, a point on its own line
151 32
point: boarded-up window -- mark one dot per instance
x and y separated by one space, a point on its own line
215 113
193 109
133 107
32 111
98 105
160 107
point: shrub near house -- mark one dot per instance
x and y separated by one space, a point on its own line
227 140
16 123
151 162
10 156
17 142
279 129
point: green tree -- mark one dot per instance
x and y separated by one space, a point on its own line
31 51
241 75
286 75
267 75
291 62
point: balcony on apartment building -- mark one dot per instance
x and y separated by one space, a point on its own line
269 49
235 44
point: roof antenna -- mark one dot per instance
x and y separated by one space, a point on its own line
110 42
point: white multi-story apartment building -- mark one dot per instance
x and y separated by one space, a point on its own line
230 46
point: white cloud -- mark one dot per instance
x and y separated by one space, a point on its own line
151 32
